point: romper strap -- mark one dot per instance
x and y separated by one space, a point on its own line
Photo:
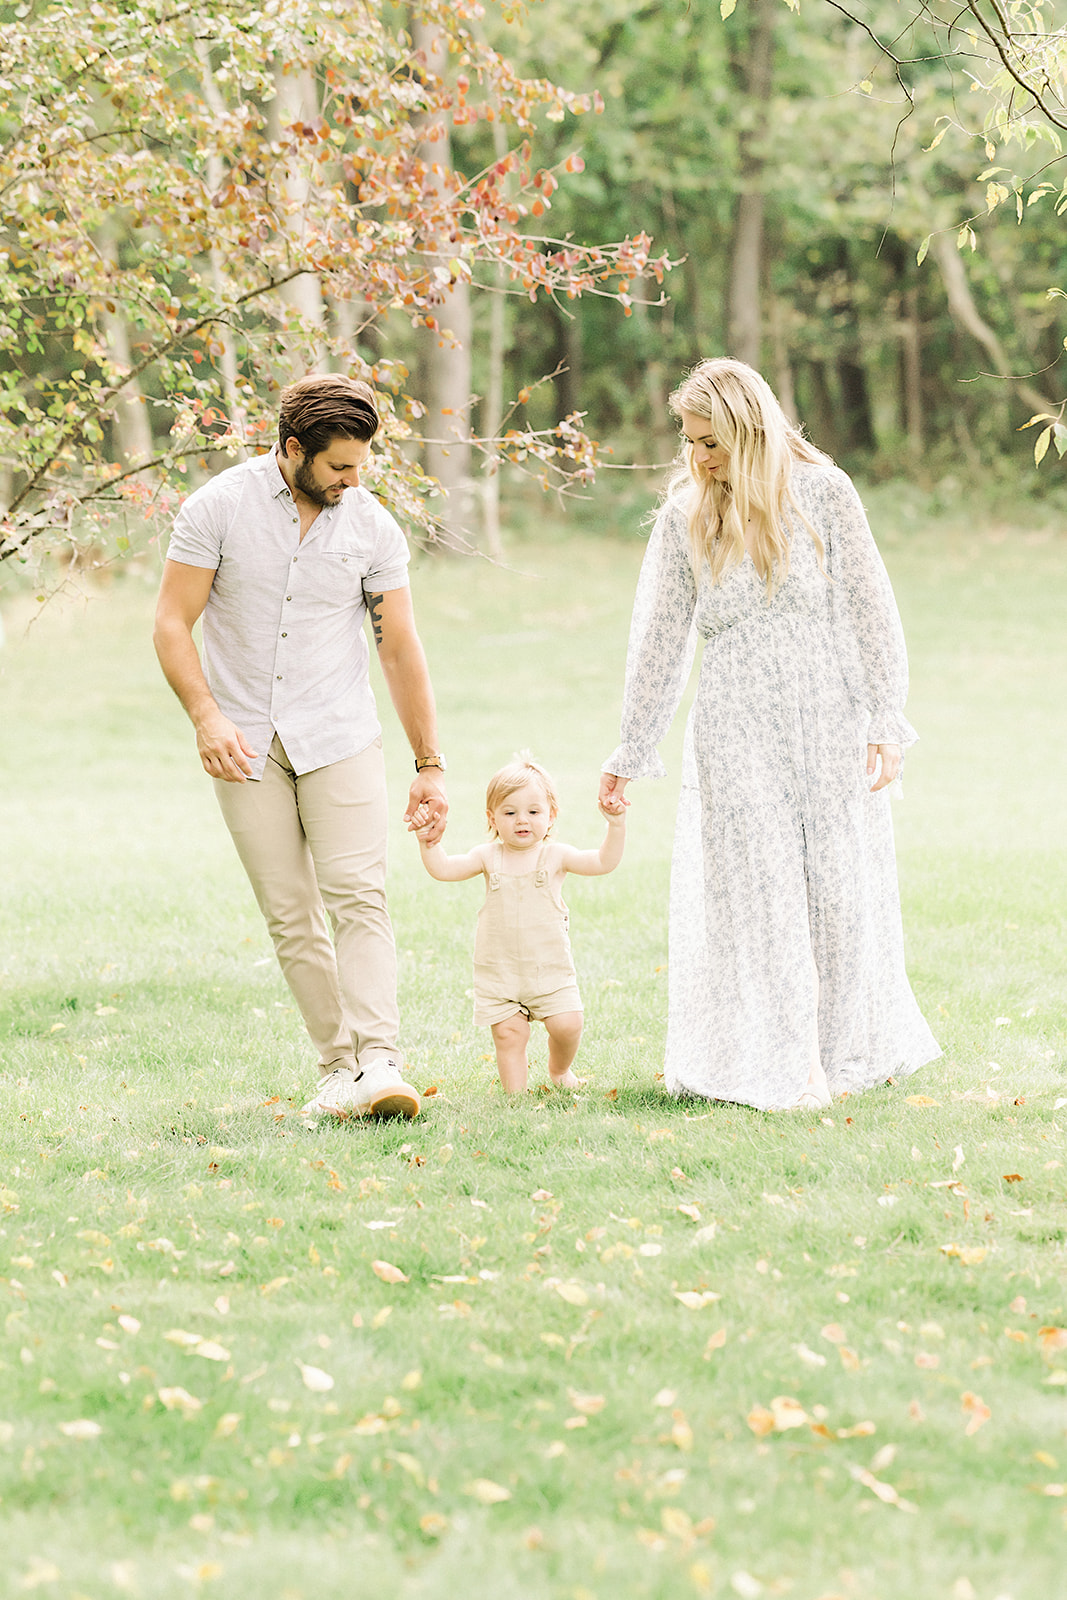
541 871
494 873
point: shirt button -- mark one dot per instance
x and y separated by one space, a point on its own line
279 677
288 597
295 560
285 636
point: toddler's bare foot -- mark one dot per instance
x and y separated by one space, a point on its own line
567 1081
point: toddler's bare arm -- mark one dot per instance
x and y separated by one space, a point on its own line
450 869
594 863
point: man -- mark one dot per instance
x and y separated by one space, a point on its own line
284 556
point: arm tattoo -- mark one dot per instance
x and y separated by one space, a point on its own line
374 606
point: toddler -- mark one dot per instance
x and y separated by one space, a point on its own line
523 968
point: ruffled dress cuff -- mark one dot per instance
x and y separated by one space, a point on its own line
635 761
891 727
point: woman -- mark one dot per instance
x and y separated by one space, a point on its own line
787 979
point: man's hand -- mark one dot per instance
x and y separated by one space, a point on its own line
427 806
223 748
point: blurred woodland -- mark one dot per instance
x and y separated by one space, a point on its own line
522 223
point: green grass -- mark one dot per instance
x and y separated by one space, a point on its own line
153 1168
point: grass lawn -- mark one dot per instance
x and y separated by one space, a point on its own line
639 1348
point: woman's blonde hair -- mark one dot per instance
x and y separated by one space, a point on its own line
746 420
516 775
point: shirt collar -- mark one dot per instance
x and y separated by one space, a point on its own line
276 484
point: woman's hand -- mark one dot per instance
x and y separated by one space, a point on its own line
891 756
611 799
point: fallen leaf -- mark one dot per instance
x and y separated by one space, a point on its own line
885 1491
787 1413
810 1357
82 1429
211 1351
541 1194
744 1584
388 1273
859 1430
178 1399
573 1293
849 1359
681 1432
715 1342
693 1212
834 1332
694 1299
705 1234
433 1524
665 1397
588 1404
227 1424
676 1522
1056 1489
1013 1177
761 1421
1052 1339
927 1360
883 1458
958 1158
977 1410
486 1492
315 1379
921 1100
129 1325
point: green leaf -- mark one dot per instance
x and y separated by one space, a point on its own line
1042 445
923 248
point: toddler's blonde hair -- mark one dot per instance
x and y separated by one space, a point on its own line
515 776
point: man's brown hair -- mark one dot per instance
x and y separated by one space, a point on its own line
327 406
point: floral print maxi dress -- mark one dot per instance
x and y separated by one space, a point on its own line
781 852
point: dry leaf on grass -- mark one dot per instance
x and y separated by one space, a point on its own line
315 1379
81 1429
588 1404
486 1492
179 1399
921 1100
573 1293
1052 1340
810 1357
834 1332
694 1299
433 1524
715 1342
387 1272
885 1491
977 1410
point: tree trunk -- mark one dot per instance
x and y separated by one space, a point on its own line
752 70
228 354
296 99
966 316
130 427
446 350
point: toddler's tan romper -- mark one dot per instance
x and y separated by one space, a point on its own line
522 952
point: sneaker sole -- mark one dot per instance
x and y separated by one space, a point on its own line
393 1103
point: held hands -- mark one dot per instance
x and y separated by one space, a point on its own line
223 749
891 758
611 799
427 808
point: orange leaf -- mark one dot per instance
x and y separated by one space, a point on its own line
387 1272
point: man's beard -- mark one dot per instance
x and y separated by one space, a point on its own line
304 481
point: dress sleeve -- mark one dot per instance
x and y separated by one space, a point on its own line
867 628
660 654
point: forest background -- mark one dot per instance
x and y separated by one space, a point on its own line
506 216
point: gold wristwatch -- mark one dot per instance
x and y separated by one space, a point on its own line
437 760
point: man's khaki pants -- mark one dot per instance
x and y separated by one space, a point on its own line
315 845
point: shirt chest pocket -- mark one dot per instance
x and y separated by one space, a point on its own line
331 578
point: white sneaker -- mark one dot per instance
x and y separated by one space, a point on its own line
336 1096
380 1091
376 1091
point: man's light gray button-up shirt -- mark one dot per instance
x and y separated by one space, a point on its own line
284 646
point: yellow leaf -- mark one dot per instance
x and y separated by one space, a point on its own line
761 1421
716 1342
315 1379
587 1404
681 1432
188 1341
178 1399
676 1522
849 1359
834 1332
694 1300
976 1409
433 1524
228 1424
486 1492
787 1413
129 1325
387 1272
573 1293
82 1429
693 1212
211 1351
921 1100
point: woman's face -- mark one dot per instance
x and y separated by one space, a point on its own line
709 458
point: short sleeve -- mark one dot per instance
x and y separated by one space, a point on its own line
389 554
199 529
